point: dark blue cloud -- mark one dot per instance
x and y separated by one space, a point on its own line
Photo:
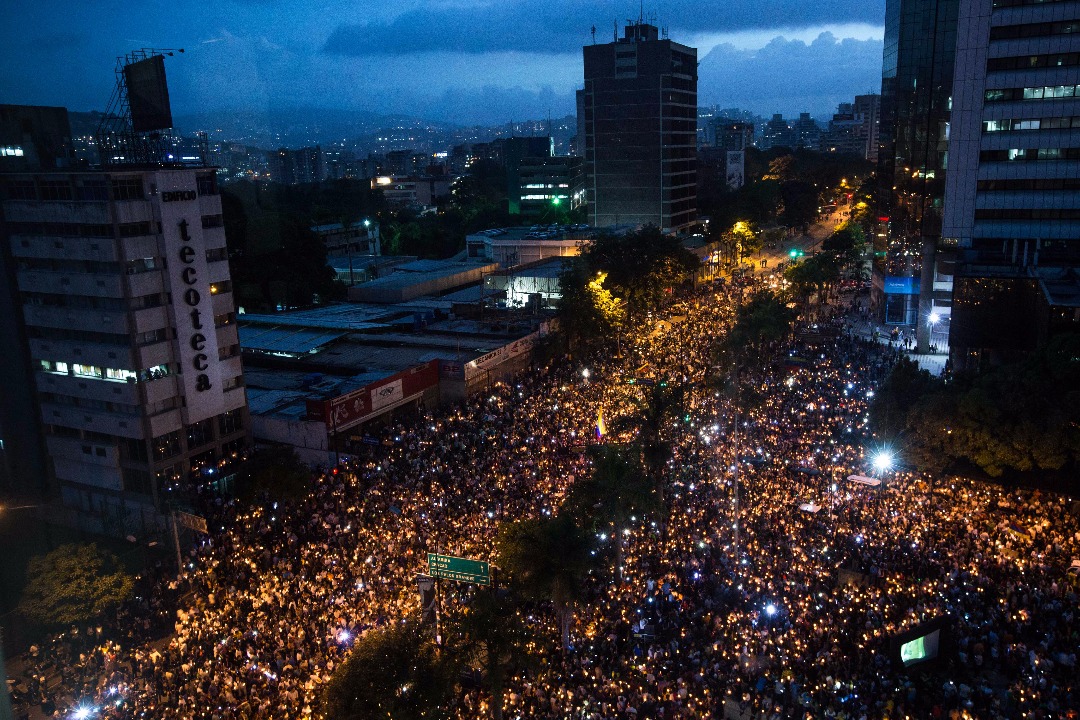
791 76
563 26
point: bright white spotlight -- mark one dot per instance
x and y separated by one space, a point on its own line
883 461
770 609
934 318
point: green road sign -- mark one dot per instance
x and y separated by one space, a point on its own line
462 569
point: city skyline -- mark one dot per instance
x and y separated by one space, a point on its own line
458 62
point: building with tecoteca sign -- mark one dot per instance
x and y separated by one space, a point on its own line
120 282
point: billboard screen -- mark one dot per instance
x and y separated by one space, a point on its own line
148 94
924 643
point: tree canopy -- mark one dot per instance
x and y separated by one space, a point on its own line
73 584
392 672
763 320
1015 418
618 277
546 559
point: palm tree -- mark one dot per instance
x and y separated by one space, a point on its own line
616 492
546 559
495 638
657 412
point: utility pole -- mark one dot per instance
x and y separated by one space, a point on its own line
176 542
736 440
5 696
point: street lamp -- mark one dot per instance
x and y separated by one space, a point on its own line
883 461
932 320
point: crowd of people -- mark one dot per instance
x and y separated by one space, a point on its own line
773 587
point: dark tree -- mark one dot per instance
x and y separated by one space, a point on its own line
905 386
764 320
72 585
392 672
495 639
1021 417
800 200
615 491
546 559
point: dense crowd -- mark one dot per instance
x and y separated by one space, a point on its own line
791 616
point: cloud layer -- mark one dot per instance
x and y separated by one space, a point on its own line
560 26
475 61
791 76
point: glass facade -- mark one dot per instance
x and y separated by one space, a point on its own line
916 85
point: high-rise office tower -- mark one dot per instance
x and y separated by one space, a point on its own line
640 130
777 133
912 269
868 107
1012 196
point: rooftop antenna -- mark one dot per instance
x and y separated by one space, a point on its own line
615 30
593 34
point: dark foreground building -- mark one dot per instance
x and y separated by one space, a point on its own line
640 130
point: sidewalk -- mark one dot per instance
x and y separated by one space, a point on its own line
934 363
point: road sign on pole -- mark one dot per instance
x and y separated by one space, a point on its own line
460 569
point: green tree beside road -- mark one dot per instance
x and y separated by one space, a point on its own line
73 585
1018 418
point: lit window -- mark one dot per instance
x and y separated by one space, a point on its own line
87 371
11 151
120 375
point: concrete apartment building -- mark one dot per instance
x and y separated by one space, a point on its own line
119 280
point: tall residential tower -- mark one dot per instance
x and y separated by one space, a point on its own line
122 282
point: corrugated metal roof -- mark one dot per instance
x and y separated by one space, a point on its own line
295 341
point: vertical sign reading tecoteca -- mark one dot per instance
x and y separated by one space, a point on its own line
192 304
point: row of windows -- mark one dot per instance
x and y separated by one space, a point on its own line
1028 62
98 230
1022 214
1050 123
1040 184
89 403
1045 92
90 189
1017 3
62 265
89 336
58 367
1029 30
61 229
1029 154
197 435
69 267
